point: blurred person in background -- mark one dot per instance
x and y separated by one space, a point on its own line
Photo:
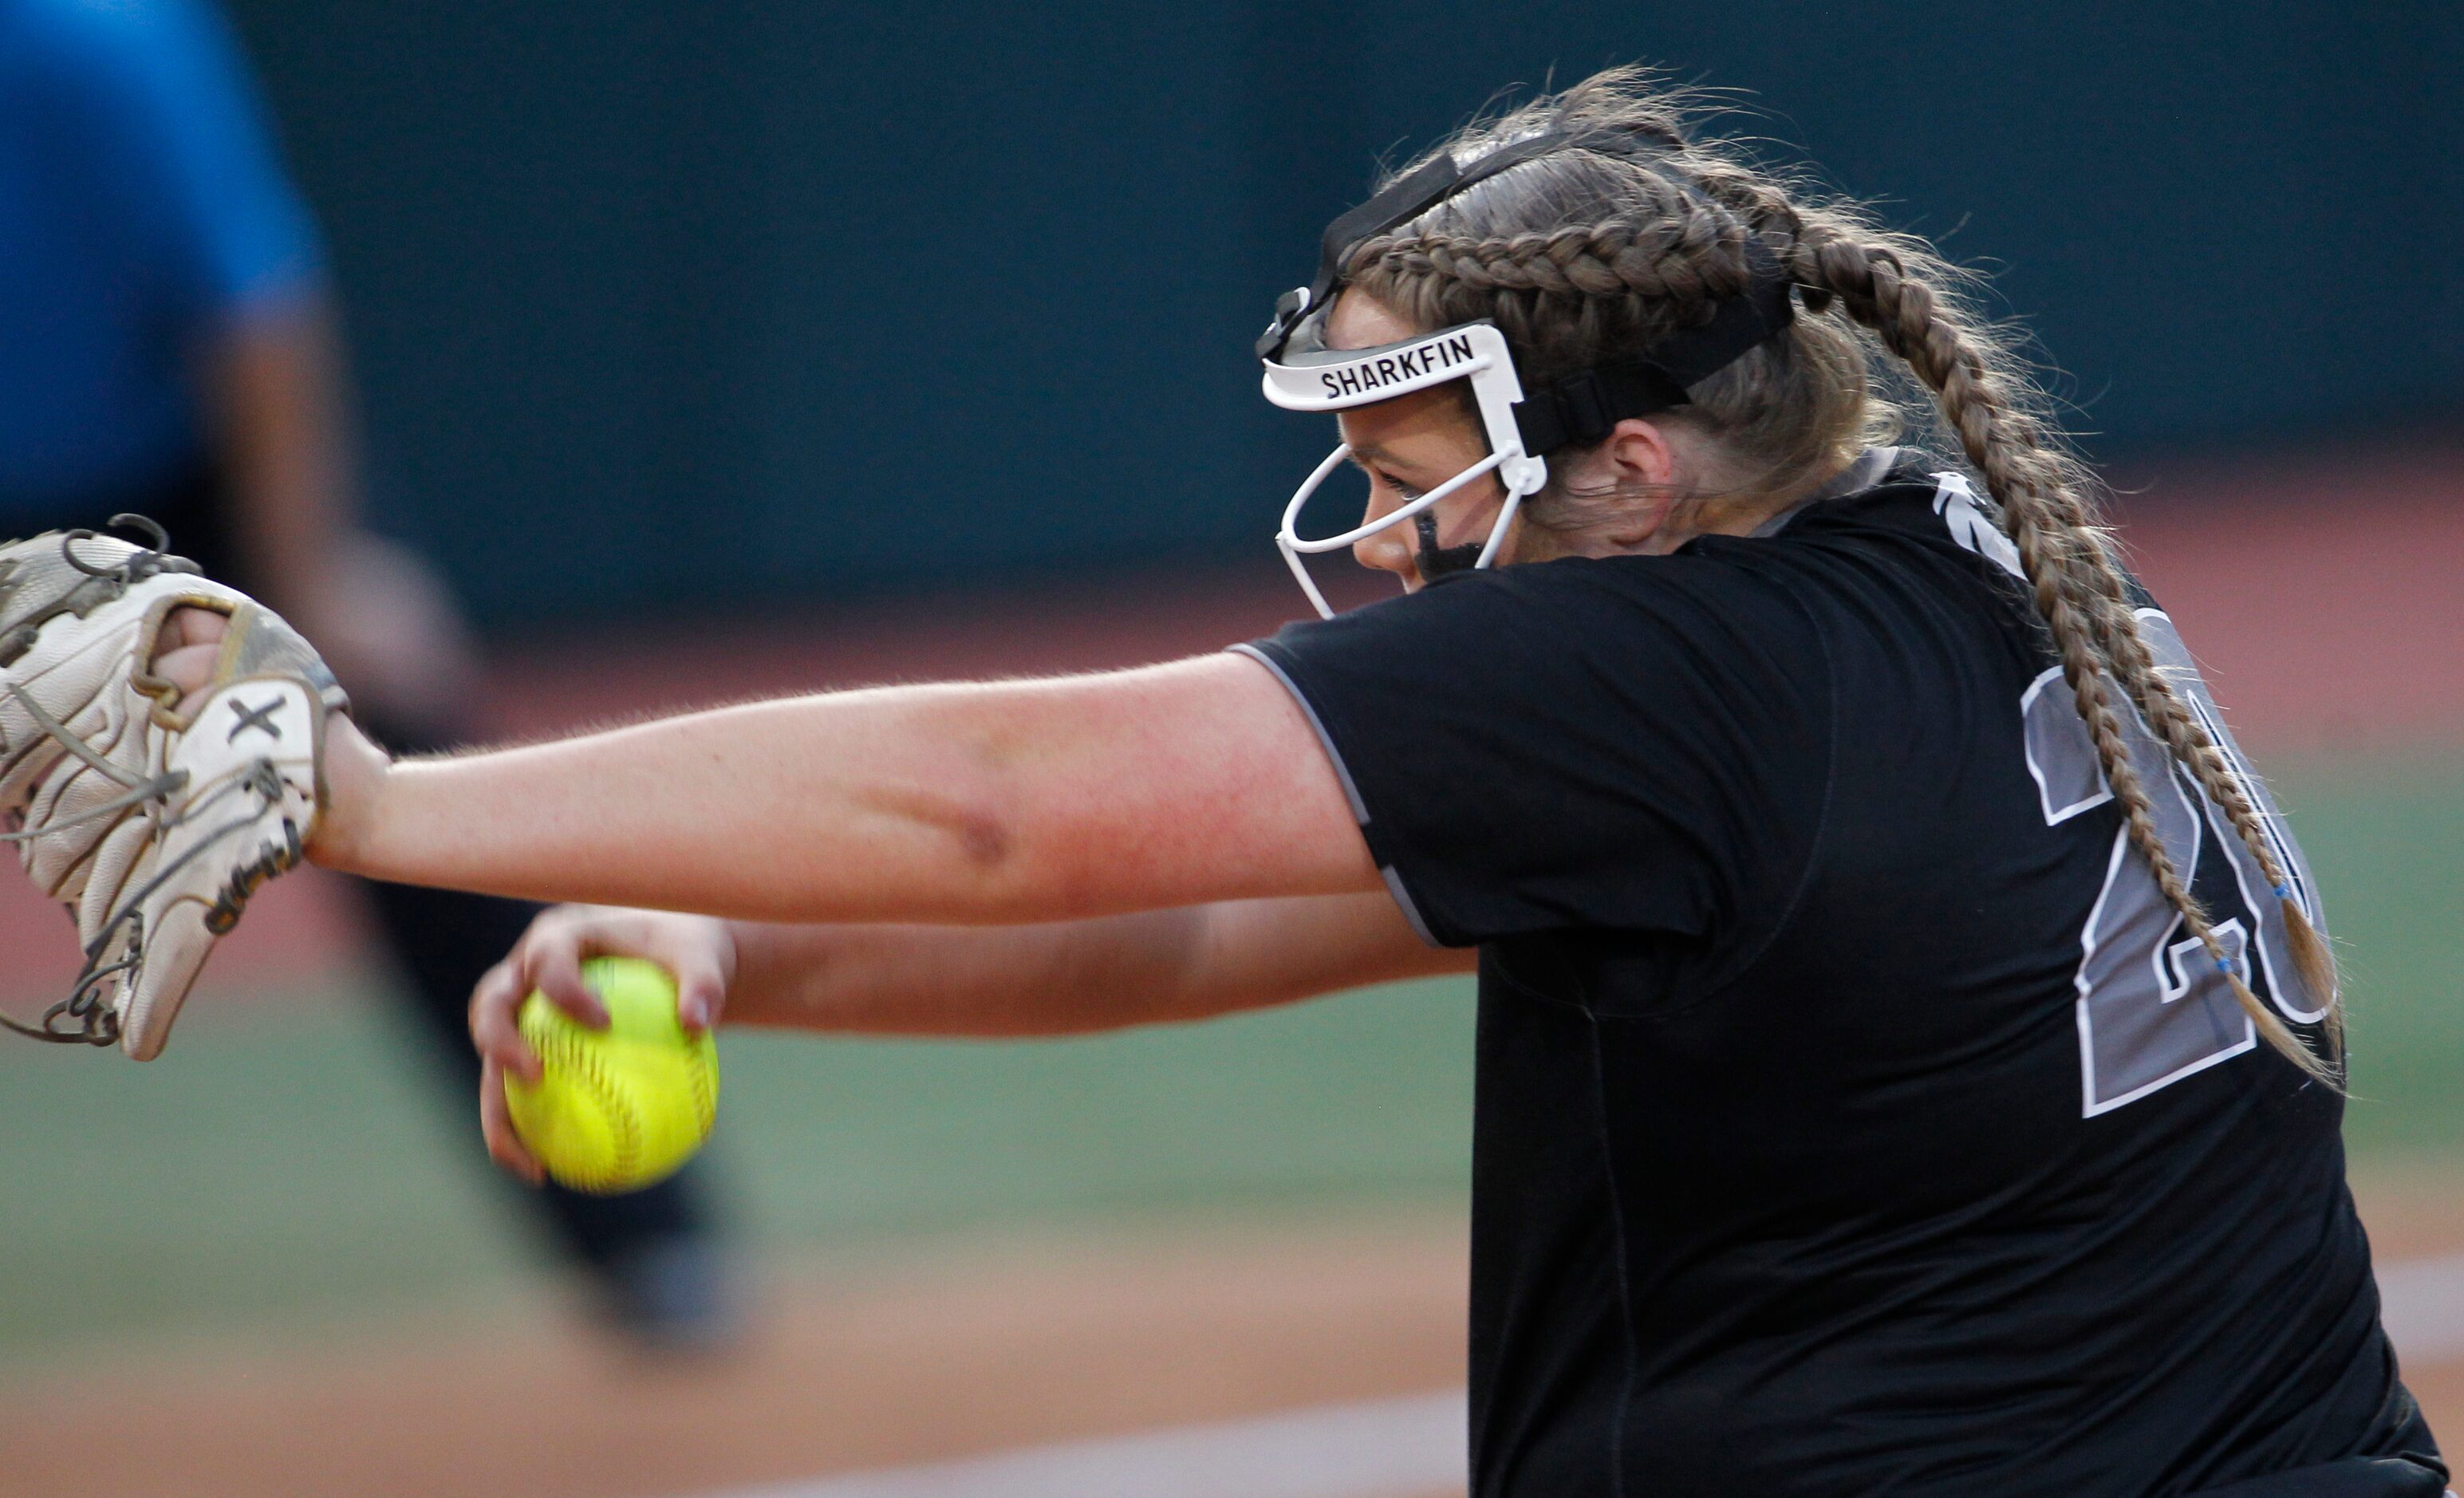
169 348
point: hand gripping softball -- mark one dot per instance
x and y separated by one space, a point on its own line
153 825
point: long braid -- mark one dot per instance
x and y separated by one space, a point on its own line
2188 736
2067 559
1583 252
1770 211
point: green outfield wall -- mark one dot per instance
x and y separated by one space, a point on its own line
762 301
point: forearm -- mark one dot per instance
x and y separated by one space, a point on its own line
1146 968
974 804
984 981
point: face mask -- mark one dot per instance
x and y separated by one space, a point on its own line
1303 374
1328 381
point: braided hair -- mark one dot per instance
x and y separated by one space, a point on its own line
1636 229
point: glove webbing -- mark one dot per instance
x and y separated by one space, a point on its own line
97 1025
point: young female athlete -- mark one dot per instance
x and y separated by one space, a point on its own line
1906 1049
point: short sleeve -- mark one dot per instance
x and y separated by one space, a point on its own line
183 145
1635 744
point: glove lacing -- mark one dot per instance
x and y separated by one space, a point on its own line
85 1017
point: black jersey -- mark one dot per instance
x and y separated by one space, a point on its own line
1854 1116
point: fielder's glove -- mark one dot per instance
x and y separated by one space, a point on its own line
153 825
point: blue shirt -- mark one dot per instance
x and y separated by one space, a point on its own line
142 204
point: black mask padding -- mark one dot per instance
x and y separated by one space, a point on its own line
1435 561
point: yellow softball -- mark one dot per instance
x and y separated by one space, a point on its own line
618 1109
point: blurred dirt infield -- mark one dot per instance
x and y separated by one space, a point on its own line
952 1352
959 1352
2320 596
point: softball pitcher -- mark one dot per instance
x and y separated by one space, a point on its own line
1909 1050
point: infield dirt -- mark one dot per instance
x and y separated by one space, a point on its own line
950 1352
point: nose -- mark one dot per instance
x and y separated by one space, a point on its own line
1388 550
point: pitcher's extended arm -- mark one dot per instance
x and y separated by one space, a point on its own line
999 803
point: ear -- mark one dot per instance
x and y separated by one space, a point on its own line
1639 461
1638 455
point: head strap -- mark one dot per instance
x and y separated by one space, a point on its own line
1582 408
1407 198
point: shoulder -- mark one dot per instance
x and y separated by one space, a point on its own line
1927 542
1922 504
1570 636
1630 743
1574 646
1637 594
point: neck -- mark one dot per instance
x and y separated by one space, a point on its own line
1656 520
1743 514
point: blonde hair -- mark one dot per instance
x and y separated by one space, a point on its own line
1636 229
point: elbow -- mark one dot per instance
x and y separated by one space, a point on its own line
1012 819
974 835
1020 868
981 855
984 838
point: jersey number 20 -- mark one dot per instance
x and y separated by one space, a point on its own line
2153 1009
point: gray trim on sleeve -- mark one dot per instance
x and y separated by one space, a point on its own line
1411 911
1342 771
1351 791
